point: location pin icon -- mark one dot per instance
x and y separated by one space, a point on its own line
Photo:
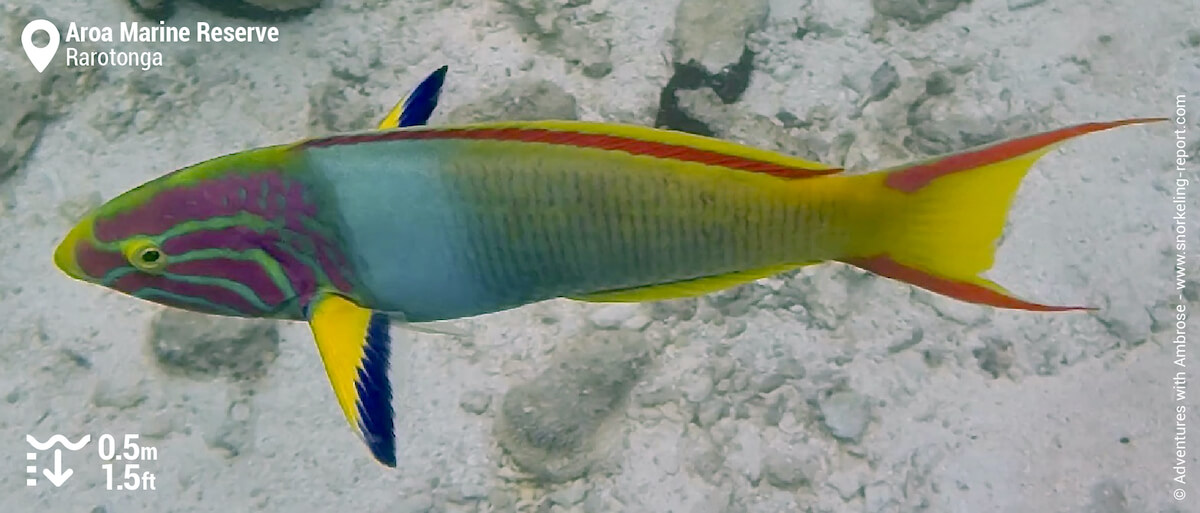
40 57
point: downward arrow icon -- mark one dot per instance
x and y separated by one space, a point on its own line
59 476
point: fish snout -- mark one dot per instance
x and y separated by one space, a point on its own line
64 255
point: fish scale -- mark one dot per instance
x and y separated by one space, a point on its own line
624 230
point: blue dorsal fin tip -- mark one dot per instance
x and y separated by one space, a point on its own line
423 100
375 392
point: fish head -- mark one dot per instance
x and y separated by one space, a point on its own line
201 238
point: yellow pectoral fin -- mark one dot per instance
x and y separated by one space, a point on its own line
686 288
354 345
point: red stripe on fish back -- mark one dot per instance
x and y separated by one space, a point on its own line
581 139
917 176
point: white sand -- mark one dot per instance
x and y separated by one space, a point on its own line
936 405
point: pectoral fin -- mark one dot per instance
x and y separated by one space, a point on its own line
416 108
354 345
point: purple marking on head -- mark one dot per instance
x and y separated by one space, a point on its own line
332 261
227 195
299 274
233 238
97 263
246 272
240 238
132 283
215 197
253 192
295 196
183 305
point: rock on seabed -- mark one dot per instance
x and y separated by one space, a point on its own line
206 346
548 424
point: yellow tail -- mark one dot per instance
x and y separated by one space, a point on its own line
944 215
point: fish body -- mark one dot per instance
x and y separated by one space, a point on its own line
441 228
350 231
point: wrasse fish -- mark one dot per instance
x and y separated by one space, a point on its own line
350 231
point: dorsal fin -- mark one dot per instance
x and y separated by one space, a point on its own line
416 108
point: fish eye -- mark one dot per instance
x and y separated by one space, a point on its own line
146 256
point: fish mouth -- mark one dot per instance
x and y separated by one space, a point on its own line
64 254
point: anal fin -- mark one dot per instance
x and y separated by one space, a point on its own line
686 288
354 344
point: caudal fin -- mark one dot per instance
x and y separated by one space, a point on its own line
944 216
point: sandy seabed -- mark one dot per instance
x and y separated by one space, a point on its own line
826 390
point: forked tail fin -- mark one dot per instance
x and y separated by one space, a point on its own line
944 216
